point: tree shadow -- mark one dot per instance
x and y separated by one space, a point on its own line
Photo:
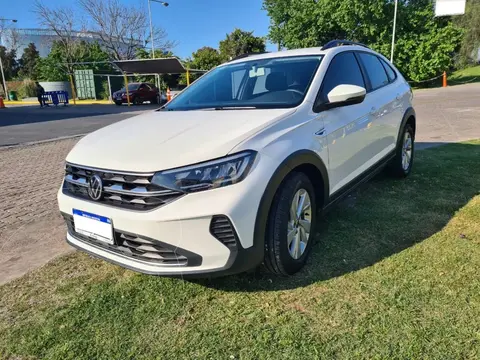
381 218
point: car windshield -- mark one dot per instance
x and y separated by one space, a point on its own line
131 87
267 83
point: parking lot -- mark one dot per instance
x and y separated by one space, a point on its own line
31 230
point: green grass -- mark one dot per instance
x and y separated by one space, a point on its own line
468 75
395 274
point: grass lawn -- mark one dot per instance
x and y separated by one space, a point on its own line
395 274
468 75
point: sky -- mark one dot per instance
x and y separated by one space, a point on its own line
192 23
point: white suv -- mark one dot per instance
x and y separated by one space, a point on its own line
234 171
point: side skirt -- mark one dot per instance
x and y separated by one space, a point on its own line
352 185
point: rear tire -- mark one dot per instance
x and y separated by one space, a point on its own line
401 164
289 237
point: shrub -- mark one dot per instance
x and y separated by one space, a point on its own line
27 89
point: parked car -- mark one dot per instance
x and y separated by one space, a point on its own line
236 169
139 93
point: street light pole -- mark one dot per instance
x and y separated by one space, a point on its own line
1 63
151 25
394 30
151 29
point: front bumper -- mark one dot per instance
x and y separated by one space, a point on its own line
184 226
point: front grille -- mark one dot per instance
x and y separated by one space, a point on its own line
222 229
134 246
125 190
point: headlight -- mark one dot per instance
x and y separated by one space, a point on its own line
209 175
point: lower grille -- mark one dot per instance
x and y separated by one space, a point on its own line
138 247
222 229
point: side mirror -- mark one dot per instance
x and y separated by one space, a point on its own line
344 95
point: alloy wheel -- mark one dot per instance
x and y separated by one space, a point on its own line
299 223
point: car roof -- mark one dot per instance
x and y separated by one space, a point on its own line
299 52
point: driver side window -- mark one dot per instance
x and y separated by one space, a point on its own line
343 70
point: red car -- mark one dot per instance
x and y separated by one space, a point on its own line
139 93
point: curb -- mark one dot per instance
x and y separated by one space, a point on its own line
39 142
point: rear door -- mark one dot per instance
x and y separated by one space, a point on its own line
346 127
381 99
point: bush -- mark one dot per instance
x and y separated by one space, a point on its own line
27 89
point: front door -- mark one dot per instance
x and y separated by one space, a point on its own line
347 128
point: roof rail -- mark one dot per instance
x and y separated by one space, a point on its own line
335 43
248 54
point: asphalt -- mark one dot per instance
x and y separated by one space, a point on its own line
25 124
443 115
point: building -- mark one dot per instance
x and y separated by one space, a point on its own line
43 39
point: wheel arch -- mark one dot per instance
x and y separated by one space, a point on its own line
305 161
408 118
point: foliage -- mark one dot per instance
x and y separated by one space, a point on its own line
51 69
205 58
240 42
425 45
10 64
29 62
27 89
470 23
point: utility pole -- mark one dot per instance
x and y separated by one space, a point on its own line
394 30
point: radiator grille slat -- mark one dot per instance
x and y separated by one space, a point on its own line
130 191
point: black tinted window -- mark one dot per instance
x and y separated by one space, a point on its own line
375 71
391 74
343 70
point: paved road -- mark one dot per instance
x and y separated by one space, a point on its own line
31 230
444 115
447 115
21 124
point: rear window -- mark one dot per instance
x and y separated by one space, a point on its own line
392 75
375 71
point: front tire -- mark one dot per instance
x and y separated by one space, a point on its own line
401 164
291 225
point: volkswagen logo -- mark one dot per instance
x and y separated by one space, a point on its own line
95 187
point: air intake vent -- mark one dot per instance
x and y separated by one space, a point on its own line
222 229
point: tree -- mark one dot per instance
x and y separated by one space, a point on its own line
425 44
10 64
63 21
49 69
205 58
240 42
29 62
122 28
470 23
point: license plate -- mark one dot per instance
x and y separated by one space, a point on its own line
94 226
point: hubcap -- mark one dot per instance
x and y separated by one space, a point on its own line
299 223
407 151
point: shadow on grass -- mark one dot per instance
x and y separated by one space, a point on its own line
382 218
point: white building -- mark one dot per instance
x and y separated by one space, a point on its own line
42 38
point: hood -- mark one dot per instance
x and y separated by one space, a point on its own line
162 140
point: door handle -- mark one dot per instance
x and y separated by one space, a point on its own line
398 97
320 132
373 110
